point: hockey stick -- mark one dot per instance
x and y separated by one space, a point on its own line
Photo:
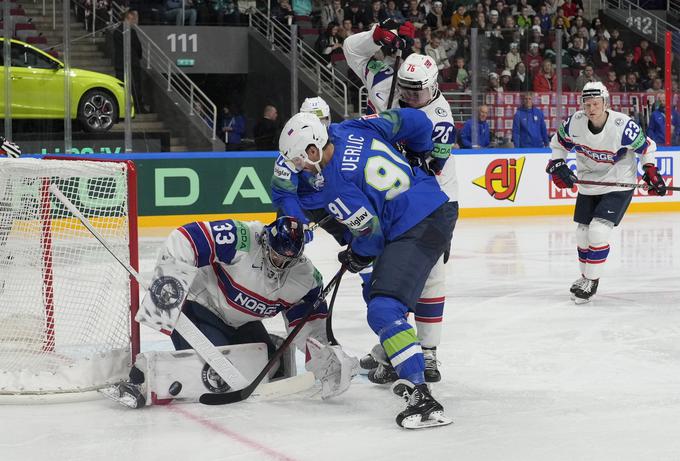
329 319
620 184
242 394
397 63
185 327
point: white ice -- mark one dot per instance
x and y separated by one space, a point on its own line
527 375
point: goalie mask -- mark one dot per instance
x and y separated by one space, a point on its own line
317 106
417 80
300 132
595 90
283 242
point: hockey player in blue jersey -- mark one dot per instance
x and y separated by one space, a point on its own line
398 216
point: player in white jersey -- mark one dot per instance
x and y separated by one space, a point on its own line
417 88
239 273
606 143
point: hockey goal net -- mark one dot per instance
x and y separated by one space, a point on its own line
66 306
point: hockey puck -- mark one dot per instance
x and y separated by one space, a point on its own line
175 388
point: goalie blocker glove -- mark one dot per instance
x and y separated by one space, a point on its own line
654 180
561 174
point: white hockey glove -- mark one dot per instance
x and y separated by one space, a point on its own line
165 297
9 148
331 366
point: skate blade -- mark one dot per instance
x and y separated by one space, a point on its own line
580 301
436 418
125 399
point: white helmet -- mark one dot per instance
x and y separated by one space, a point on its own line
318 107
417 79
301 131
595 90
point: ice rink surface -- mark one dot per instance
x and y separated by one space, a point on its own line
527 375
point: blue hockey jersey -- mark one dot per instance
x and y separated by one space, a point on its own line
294 192
370 187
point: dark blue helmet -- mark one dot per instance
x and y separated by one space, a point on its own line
284 242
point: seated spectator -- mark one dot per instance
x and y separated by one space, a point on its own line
438 54
302 7
459 17
425 35
628 65
435 18
329 42
520 80
528 125
483 132
480 22
601 61
576 24
617 53
173 12
494 20
449 42
641 50
587 75
506 76
417 46
464 50
354 13
544 18
656 86
374 14
570 8
415 14
523 19
631 85
536 35
545 80
596 27
512 58
612 82
494 84
227 12
561 20
332 12
647 64
392 12
459 74
266 131
551 54
346 29
533 60
579 54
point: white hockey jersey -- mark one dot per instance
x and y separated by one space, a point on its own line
359 50
233 281
607 156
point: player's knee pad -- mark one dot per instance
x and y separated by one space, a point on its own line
599 232
383 311
582 236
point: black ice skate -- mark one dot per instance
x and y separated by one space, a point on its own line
403 389
383 374
576 285
367 362
432 374
422 410
586 291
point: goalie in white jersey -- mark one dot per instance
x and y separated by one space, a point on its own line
237 274
416 88
606 143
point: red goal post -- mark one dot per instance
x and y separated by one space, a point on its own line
66 306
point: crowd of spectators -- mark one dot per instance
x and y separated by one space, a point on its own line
517 39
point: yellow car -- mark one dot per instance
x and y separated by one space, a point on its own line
37 90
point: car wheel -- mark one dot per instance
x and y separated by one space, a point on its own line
98 111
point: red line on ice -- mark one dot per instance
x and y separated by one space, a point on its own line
231 434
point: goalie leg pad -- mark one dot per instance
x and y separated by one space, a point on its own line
184 376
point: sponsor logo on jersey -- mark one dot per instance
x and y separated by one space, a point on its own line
281 172
212 381
166 292
254 305
359 220
618 122
501 178
243 235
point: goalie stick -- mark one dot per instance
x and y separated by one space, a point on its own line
242 394
190 332
620 184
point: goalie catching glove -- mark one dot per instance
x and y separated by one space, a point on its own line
331 366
